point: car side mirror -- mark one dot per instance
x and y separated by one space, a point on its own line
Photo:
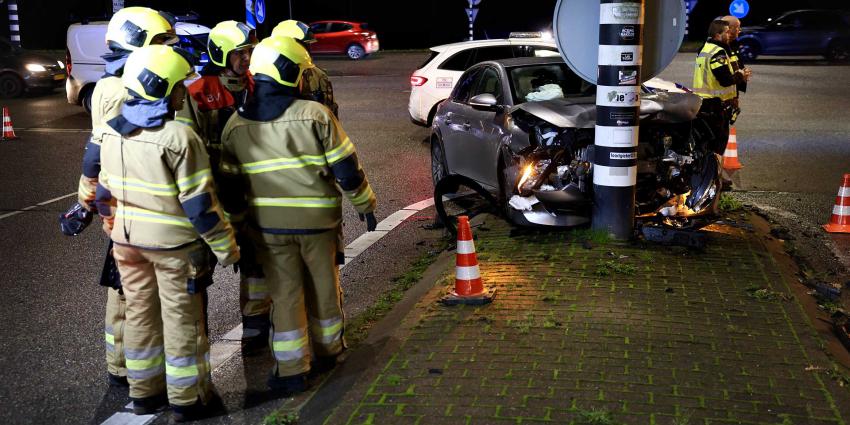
485 101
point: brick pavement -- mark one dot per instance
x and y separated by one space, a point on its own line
621 333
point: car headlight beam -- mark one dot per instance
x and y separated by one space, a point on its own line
34 67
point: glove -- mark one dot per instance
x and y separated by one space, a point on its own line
371 221
75 220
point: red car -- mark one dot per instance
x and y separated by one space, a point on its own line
352 39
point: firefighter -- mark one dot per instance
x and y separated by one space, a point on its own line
315 84
129 29
286 162
716 82
224 85
156 175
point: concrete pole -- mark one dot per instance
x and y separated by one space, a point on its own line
617 116
14 26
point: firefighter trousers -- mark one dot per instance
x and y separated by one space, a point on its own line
165 342
116 307
303 281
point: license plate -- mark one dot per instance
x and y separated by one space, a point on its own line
59 77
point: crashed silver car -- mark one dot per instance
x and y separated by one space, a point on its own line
523 129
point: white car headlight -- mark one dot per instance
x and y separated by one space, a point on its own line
34 67
61 64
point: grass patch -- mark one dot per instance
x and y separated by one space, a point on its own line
763 294
358 329
599 237
728 203
607 267
594 417
281 418
394 379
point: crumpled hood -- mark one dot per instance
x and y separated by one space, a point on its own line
580 112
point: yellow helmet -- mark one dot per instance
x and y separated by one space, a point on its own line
226 37
295 29
152 71
134 27
280 59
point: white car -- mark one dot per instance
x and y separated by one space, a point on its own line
433 81
86 43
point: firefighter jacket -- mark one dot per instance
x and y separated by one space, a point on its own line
212 100
160 179
316 86
288 172
713 73
106 100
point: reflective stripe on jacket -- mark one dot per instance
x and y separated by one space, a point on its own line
289 173
163 186
106 100
711 60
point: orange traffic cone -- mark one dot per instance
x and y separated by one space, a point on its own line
469 289
8 131
730 157
840 221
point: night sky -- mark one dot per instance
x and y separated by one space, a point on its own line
422 24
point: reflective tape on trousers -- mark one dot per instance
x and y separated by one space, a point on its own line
614 176
467 273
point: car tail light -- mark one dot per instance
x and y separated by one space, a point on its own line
68 63
417 81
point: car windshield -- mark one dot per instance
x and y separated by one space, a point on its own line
195 44
532 83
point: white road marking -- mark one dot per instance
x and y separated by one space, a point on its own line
40 204
128 418
230 343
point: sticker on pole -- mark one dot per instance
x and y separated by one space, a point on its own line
471 14
739 8
260 10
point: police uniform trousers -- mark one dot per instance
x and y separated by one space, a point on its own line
302 276
116 307
165 342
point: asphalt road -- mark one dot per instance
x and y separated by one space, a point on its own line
794 141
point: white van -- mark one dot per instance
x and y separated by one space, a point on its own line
86 43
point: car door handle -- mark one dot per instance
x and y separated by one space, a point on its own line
449 118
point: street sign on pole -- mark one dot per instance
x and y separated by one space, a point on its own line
739 8
260 10
250 20
471 14
117 5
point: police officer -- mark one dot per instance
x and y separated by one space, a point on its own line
735 61
315 84
286 162
129 29
156 173
716 82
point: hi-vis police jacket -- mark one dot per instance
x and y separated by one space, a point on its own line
161 181
106 100
289 173
713 73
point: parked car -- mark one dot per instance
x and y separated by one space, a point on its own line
353 39
22 70
800 32
86 43
434 80
523 129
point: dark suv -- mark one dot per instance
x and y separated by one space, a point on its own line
800 32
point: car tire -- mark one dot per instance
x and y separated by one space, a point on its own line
749 50
355 52
85 98
11 85
439 167
838 51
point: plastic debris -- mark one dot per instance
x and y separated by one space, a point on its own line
521 203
